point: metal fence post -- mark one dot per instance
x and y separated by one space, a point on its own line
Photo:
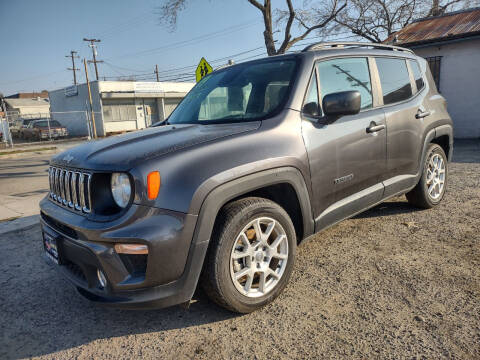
89 130
7 136
49 129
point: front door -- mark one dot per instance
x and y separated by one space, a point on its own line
346 160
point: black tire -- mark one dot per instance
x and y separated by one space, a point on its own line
419 195
216 280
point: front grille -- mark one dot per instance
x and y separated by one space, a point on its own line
71 188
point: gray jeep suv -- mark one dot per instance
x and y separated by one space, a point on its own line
258 157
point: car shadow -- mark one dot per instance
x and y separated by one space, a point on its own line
43 314
389 208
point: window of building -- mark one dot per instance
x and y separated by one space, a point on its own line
417 74
434 62
345 75
394 80
119 110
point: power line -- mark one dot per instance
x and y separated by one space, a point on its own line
197 39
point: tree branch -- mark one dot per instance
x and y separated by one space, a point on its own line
331 17
257 5
288 27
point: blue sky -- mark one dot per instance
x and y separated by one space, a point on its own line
38 34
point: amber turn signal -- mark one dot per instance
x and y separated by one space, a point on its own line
153 185
132 249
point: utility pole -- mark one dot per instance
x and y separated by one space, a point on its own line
94 52
73 68
90 99
156 72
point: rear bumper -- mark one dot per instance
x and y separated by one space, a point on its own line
174 260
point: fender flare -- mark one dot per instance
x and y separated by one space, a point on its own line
225 192
431 135
213 202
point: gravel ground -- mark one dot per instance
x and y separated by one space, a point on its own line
394 282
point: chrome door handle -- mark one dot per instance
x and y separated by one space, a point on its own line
373 128
421 114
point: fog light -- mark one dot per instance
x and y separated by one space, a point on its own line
101 278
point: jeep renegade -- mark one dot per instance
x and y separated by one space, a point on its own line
256 158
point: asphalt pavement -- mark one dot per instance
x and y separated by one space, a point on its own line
24 182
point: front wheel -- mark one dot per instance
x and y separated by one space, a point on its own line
251 257
431 187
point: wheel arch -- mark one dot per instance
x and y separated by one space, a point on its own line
266 184
441 135
444 138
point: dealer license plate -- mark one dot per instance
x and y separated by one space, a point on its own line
50 246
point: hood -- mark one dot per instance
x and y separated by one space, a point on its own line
122 152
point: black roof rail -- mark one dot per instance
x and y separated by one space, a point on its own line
353 44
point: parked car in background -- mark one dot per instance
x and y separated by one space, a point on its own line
39 130
18 125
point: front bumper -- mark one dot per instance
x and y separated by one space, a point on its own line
85 246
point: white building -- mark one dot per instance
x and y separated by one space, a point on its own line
118 105
27 108
451 45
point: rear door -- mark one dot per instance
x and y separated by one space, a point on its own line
405 113
346 160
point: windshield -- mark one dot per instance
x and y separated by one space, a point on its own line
240 93
44 123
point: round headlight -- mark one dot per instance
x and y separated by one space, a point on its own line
121 189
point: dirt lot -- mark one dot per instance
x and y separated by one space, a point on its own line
394 282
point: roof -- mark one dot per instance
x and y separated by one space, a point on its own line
42 94
15 103
455 25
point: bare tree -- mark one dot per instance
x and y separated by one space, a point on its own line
325 13
375 20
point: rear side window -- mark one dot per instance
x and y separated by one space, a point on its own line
345 75
394 80
417 74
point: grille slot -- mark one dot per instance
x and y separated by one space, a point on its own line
71 188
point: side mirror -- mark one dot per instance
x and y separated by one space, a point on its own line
342 103
311 109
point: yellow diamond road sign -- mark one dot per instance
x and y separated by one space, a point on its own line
203 69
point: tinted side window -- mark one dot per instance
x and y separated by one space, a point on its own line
344 75
417 74
394 80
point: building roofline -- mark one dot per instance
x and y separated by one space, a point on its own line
442 40
446 14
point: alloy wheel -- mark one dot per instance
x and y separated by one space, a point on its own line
259 257
435 176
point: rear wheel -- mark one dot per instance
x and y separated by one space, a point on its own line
432 185
251 256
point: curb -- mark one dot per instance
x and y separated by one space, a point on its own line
23 223
27 153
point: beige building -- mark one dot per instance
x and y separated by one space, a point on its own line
27 108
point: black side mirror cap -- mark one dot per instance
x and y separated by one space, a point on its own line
342 103
311 109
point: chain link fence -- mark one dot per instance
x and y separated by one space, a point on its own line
24 129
